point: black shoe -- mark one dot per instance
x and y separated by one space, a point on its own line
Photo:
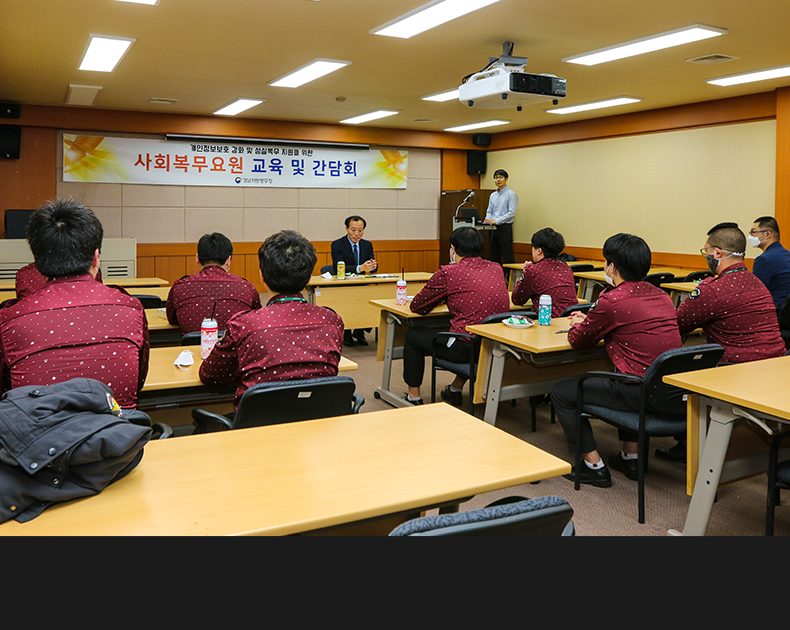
454 398
599 478
675 453
626 466
348 339
419 401
360 337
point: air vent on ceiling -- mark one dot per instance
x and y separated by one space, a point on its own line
163 101
424 120
709 60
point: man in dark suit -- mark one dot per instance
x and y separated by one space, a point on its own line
358 255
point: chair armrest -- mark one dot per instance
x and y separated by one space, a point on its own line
207 421
161 431
358 402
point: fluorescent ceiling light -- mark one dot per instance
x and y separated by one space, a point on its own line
444 96
612 102
238 106
481 125
760 75
151 2
382 113
104 52
310 72
685 35
428 16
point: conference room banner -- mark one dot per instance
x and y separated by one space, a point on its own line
103 159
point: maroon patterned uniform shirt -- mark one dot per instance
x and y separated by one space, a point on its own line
29 280
212 289
75 327
736 311
473 289
637 322
287 340
551 277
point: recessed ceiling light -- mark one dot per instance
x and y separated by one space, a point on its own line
685 35
309 72
480 125
429 16
151 2
443 96
382 113
748 77
238 106
104 52
612 102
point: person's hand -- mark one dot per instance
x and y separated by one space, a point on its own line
577 317
368 266
489 221
525 265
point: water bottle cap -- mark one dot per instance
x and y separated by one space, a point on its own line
545 299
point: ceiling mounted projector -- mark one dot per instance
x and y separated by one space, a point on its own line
504 83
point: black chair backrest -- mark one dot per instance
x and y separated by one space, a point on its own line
492 319
545 516
292 401
697 275
149 301
582 308
4 302
566 257
657 279
665 398
193 338
328 268
783 314
581 267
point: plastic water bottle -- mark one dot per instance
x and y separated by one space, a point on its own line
208 337
544 310
400 293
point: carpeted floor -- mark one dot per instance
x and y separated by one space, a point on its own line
739 510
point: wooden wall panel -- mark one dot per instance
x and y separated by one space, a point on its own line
146 267
411 261
389 262
454 175
782 211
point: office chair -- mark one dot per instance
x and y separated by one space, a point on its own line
566 257
778 479
697 275
160 430
327 268
149 301
466 370
582 308
657 279
783 315
662 412
285 401
513 516
193 338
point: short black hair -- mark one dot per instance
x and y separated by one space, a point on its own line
722 226
214 248
63 236
502 172
287 261
728 238
467 241
356 217
552 243
768 223
629 254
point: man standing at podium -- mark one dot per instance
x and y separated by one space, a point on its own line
502 206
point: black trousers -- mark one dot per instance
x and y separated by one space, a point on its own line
501 244
419 344
599 392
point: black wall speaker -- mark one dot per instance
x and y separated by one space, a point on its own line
9 110
475 162
10 139
481 139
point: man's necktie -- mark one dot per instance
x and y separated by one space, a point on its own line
356 255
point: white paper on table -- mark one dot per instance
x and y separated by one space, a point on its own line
327 275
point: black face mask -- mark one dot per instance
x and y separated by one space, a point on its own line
713 263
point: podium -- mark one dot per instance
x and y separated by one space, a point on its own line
448 221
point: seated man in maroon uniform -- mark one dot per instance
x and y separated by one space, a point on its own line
73 327
289 338
212 292
546 275
473 289
637 323
29 280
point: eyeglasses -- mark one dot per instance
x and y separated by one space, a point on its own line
499 177
704 250
755 232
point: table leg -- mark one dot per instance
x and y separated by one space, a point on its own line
386 373
710 468
498 356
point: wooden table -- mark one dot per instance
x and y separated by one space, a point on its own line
136 283
169 386
350 298
514 269
679 291
370 470
588 280
721 397
542 356
160 292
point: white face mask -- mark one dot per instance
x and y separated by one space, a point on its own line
609 278
753 241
